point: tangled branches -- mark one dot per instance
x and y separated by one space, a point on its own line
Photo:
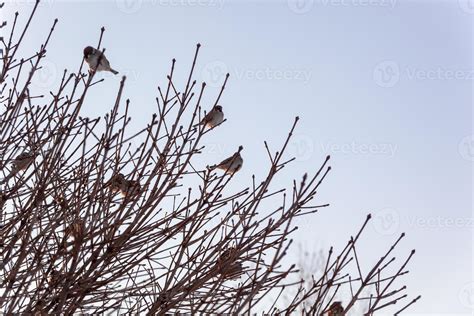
95 219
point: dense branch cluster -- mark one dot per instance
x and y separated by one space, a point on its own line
95 219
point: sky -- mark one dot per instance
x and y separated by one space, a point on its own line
383 86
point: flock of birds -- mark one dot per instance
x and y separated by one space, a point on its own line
97 61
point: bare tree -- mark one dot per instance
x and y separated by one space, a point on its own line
92 223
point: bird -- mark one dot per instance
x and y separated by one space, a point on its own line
228 265
97 60
336 309
232 164
3 199
76 229
23 160
131 188
55 276
117 182
227 255
214 117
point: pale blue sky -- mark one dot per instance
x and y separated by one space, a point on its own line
384 86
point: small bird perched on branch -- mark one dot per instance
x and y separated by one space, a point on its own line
3 199
97 60
126 187
336 309
228 266
23 160
131 188
117 182
214 117
232 164
76 229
